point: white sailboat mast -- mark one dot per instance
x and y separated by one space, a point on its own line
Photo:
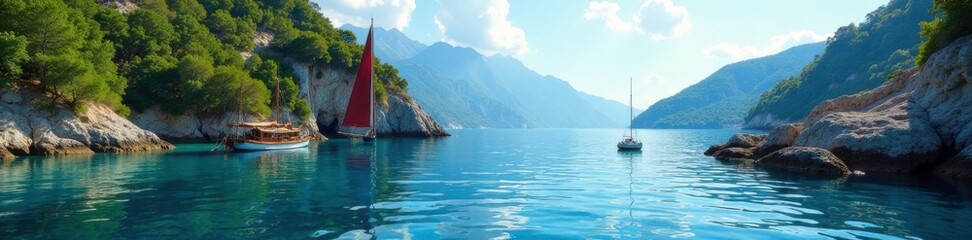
372 78
631 107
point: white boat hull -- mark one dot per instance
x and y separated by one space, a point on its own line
251 146
629 146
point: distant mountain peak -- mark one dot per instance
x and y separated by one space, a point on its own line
390 44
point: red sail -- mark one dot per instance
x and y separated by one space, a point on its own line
358 116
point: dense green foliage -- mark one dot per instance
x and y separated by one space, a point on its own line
722 99
13 48
955 22
66 51
180 55
857 58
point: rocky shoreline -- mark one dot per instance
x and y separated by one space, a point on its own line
30 130
917 122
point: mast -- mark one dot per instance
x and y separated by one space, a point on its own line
276 100
239 115
631 107
372 51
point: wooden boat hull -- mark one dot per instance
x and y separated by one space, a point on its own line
254 146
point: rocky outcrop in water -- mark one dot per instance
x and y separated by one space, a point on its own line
26 129
734 154
918 121
781 137
329 92
745 140
812 160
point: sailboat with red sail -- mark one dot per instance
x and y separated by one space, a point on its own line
359 118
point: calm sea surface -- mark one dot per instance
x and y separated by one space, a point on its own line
477 184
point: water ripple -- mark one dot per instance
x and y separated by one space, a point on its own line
512 184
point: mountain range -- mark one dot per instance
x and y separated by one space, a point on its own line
462 88
722 99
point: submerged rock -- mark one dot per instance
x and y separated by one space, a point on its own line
29 130
734 154
958 166
811 160
6 155
713 149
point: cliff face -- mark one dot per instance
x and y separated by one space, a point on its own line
328 91
918 121
196 128
29 130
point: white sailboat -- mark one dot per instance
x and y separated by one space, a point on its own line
630 139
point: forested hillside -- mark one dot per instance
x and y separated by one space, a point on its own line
857 58
186 56
722 99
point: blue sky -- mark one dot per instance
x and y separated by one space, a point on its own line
596 46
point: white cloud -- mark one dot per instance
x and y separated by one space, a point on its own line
777 43
609 12
659 19
654 79
480 24
387 13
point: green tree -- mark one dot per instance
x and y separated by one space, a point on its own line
188 8
150 33
45 24
268 71
13 48
192 71
233 31
148 81
222 93
309 47
115 25
954 21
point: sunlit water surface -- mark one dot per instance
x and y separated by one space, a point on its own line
476 184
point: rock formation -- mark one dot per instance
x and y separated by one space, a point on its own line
197 128
917 121
745 140
805 159
329 92
781 137
734 154
26 129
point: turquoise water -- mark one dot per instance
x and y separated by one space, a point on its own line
477 184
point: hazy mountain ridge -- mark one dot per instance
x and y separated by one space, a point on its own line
464 89
392 45
722 99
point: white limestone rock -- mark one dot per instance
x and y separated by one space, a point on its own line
329 92
29 130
